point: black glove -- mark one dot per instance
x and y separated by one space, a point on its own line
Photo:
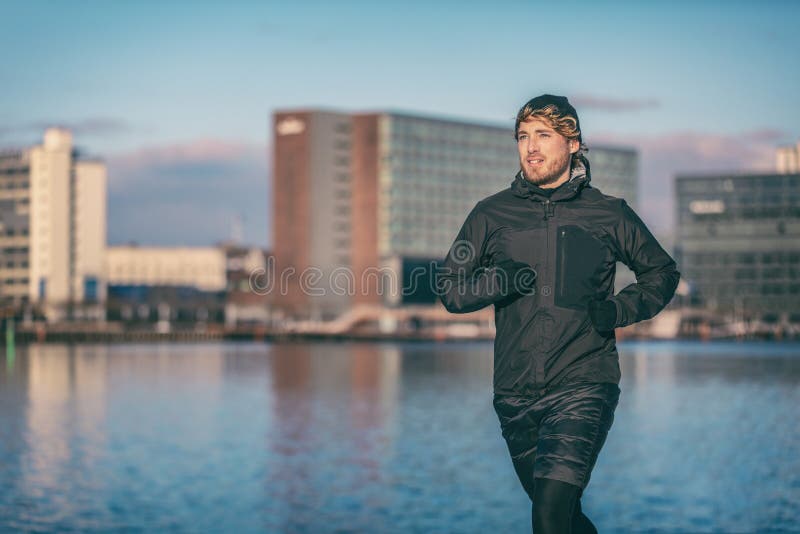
603 314
520 277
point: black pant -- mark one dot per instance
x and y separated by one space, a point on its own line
554 438
556 509
557 433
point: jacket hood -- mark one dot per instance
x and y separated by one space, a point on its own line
579 178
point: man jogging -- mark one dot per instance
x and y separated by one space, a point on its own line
543 251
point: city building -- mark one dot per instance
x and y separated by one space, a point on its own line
189 285
787 159
365 205
53 230
615 171
166 284
738 243
247 272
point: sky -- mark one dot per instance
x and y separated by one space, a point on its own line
177 97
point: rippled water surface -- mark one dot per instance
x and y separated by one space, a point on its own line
379 438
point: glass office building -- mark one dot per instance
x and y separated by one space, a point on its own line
615 171
434 171
431 175
738 243
385 191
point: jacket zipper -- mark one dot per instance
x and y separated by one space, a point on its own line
539 365
563 251
546 206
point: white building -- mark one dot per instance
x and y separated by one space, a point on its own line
203 268
185 284
787 159
53 229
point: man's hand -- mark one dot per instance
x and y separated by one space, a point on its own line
521 277
603 314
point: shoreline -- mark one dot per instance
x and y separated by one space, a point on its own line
23 336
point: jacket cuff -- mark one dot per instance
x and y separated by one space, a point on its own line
618 322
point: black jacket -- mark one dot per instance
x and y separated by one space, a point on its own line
573 240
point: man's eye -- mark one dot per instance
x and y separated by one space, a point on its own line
544 135
521 137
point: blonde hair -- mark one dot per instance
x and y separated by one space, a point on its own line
566 125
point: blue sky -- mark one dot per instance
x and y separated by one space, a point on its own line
177 96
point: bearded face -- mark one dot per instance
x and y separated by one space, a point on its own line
544 154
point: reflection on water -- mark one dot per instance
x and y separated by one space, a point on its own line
344 437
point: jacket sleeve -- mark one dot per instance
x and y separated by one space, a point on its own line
656 273
464 283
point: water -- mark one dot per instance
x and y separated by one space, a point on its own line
379 438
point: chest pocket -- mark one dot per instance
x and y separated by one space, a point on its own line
527 245
581 258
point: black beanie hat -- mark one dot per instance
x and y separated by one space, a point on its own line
561 104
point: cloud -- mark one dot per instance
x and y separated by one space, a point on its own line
765 135
594 102
662 157
89 127
189 194
201 151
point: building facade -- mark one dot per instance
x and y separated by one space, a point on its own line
312 208
188 285
738 243
166 284
361 200
787 159
53 217
615 171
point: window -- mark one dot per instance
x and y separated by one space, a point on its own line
90 289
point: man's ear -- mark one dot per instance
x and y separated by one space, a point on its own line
574 145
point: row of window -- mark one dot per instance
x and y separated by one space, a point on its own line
746 200
15 170
14 231
746 258
763 210
451 139
15 250
407 219
15 184
738 290
412 216
416 131
170 272
748 186
610 159
456 163
414 192
772 273
448 183
438 148
698 224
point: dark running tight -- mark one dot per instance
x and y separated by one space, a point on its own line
557 509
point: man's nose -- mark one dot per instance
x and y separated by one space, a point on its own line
532 145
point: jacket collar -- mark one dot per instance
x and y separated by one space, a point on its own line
579 178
